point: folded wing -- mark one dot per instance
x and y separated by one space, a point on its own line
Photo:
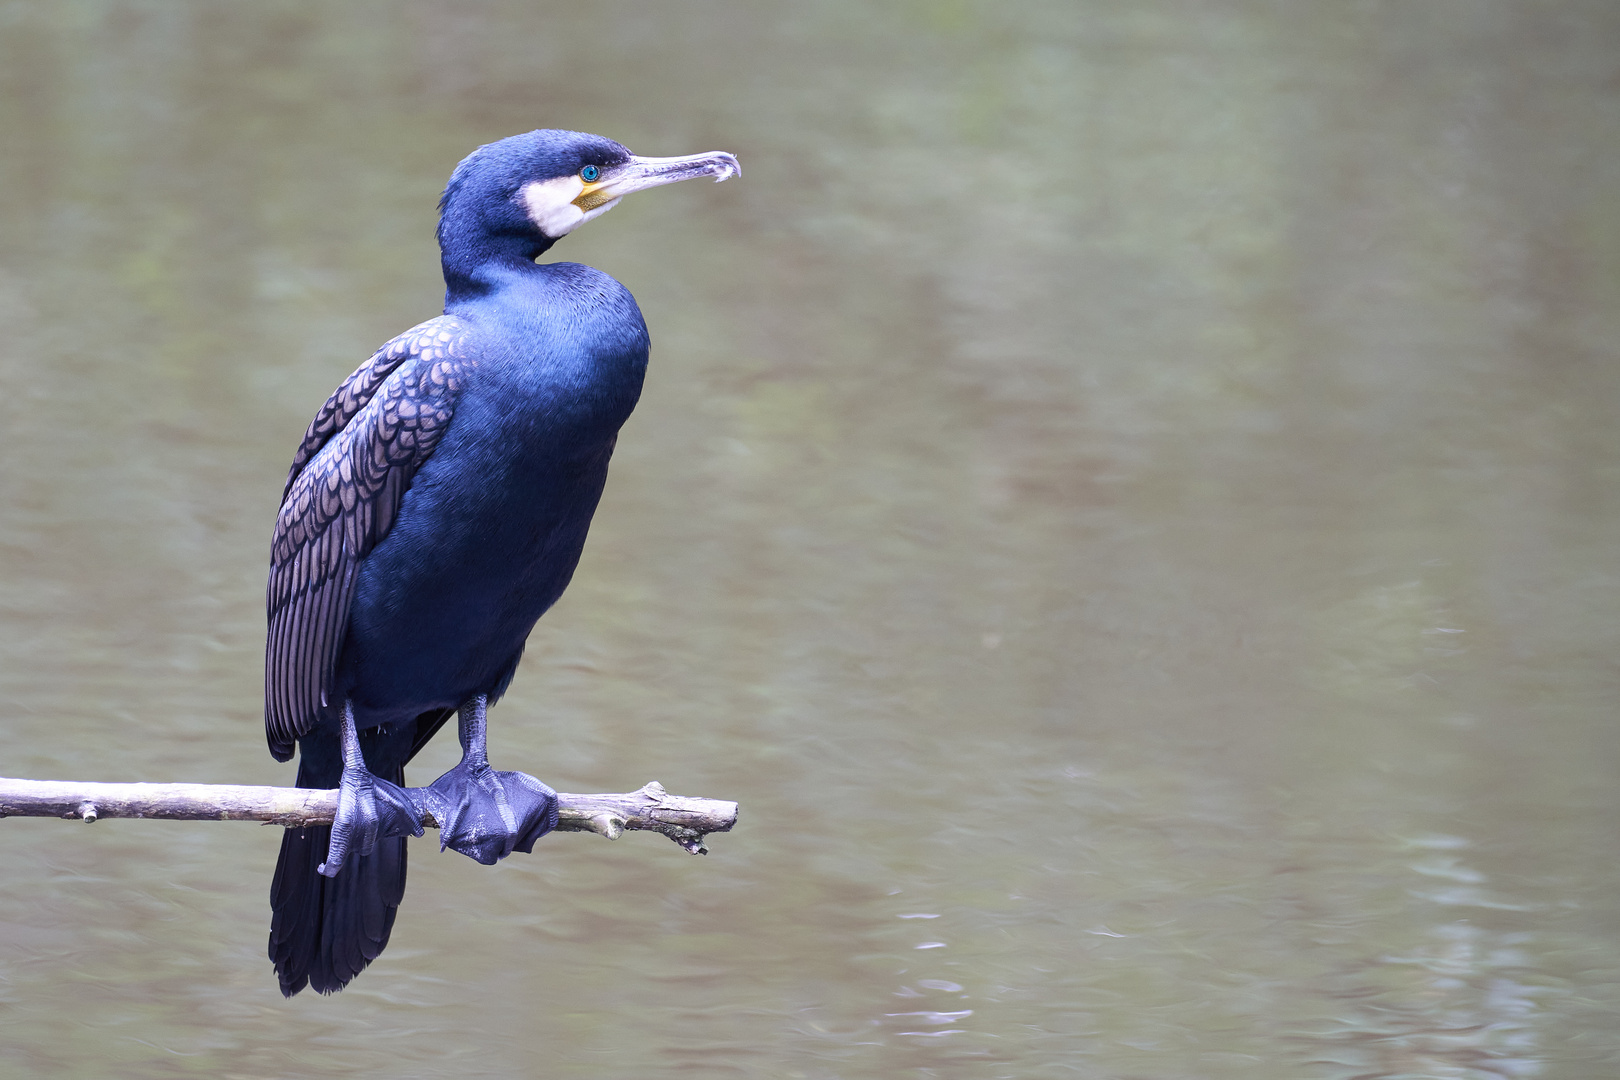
343 492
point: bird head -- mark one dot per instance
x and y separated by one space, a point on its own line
533 189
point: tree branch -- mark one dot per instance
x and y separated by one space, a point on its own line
652 809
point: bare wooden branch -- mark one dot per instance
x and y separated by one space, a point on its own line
683 819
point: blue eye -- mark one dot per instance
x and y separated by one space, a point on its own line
589 173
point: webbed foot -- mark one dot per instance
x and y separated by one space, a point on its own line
369 807
484 814
487 815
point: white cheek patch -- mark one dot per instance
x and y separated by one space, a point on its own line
550 204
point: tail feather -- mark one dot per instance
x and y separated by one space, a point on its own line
324 931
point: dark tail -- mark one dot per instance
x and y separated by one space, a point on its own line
324 931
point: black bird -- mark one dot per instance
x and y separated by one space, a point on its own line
435 509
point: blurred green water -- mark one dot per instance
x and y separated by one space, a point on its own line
1124 497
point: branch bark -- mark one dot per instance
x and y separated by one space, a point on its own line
683 819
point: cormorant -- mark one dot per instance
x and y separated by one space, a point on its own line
435 509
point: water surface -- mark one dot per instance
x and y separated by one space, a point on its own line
1125 498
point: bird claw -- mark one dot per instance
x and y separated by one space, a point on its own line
369 809
487 815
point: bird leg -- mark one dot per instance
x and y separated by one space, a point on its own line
369 807
484 814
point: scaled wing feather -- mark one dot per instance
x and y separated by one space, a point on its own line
359 388
348 479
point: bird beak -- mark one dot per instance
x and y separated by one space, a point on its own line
640 173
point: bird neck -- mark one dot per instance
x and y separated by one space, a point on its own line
472 279
477 257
